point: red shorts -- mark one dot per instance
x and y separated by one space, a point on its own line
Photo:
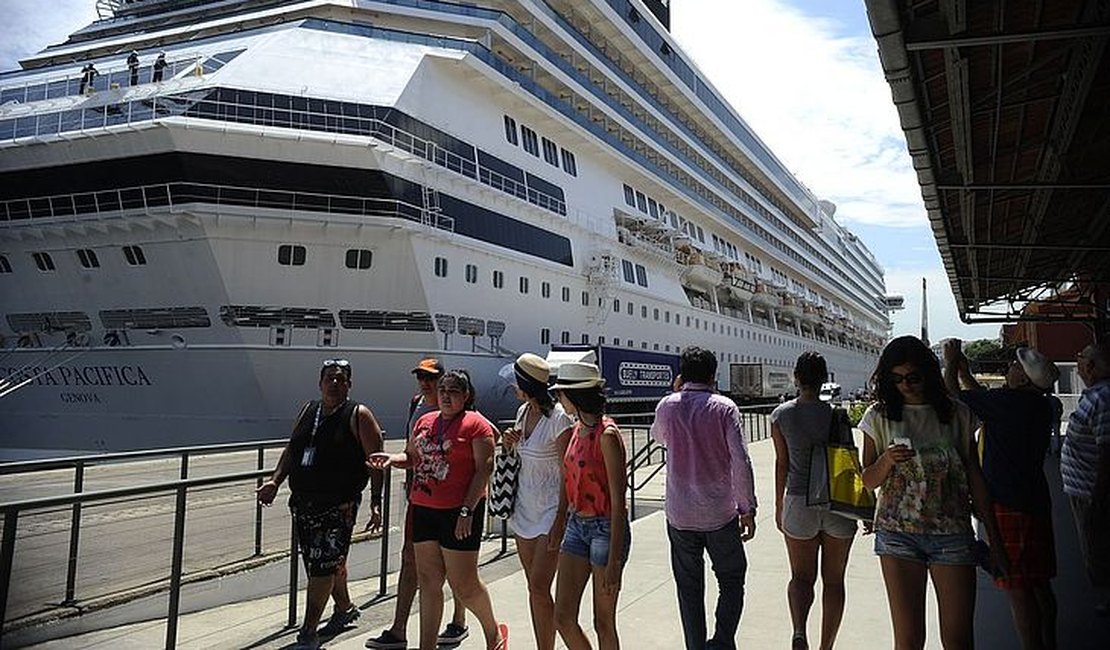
1030 547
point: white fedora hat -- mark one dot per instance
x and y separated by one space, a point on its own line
578 374
1042 372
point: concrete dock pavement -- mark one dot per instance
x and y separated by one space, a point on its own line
648 612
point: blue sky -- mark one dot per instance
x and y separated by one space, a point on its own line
804 74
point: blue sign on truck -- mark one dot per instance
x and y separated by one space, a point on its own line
630 375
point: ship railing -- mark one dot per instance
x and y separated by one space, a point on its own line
152 109
110 77
170 195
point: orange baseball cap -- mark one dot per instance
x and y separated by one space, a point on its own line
430 366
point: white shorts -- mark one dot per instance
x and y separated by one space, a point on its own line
800 521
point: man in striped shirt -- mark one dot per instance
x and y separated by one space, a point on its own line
1085 466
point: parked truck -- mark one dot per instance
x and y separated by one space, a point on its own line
634 379
759 383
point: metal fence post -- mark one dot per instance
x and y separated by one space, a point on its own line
258 508
292 621
7 555
74 535
383 570
632 479
175 571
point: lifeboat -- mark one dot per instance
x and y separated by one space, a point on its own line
764 296
698 271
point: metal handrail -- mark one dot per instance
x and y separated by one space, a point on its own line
163 195
72 462
12 510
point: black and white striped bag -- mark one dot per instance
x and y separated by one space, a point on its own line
503 483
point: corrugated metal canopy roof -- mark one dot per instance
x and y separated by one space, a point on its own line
1006 110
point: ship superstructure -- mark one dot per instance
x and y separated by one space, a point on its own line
381 180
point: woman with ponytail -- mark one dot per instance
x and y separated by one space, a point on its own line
540 437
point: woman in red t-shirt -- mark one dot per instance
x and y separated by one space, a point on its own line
592 520
451 455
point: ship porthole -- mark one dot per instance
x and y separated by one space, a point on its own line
178 342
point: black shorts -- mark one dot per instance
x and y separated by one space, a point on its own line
324 534
438 525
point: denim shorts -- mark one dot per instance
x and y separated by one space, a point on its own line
955 549
588 537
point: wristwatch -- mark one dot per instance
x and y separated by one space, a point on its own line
464 512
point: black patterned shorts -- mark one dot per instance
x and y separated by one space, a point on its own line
324 534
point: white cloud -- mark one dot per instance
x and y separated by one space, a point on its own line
815 96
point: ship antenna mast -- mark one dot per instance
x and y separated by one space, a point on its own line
924 314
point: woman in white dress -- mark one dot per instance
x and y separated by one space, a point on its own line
540 436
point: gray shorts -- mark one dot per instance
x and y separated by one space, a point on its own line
800 521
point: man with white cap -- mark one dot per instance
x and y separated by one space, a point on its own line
1085 467
1017 426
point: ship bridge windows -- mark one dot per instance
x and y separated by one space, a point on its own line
155 318
88 259
530 140
50 321
43 261
134 255
570 166
397 321
5 265
359 258
268 316
629 196
291 255
510 131
628 270
550 152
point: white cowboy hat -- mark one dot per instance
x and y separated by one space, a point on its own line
1042 372
577 374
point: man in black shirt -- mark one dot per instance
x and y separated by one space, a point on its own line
1017 425
325 461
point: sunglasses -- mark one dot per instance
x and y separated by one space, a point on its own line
336 363
911 378
426 376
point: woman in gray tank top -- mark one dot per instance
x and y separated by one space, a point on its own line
796 426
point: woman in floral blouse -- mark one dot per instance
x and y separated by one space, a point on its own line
918 450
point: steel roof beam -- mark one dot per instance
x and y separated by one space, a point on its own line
1002 39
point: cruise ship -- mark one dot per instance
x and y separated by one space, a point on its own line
187 232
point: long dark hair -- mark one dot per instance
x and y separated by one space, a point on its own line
910 349
587 400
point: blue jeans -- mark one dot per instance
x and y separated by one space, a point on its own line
955 549
730 564
588 537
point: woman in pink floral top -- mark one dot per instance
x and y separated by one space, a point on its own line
929 479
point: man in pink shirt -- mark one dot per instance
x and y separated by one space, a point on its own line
710 498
